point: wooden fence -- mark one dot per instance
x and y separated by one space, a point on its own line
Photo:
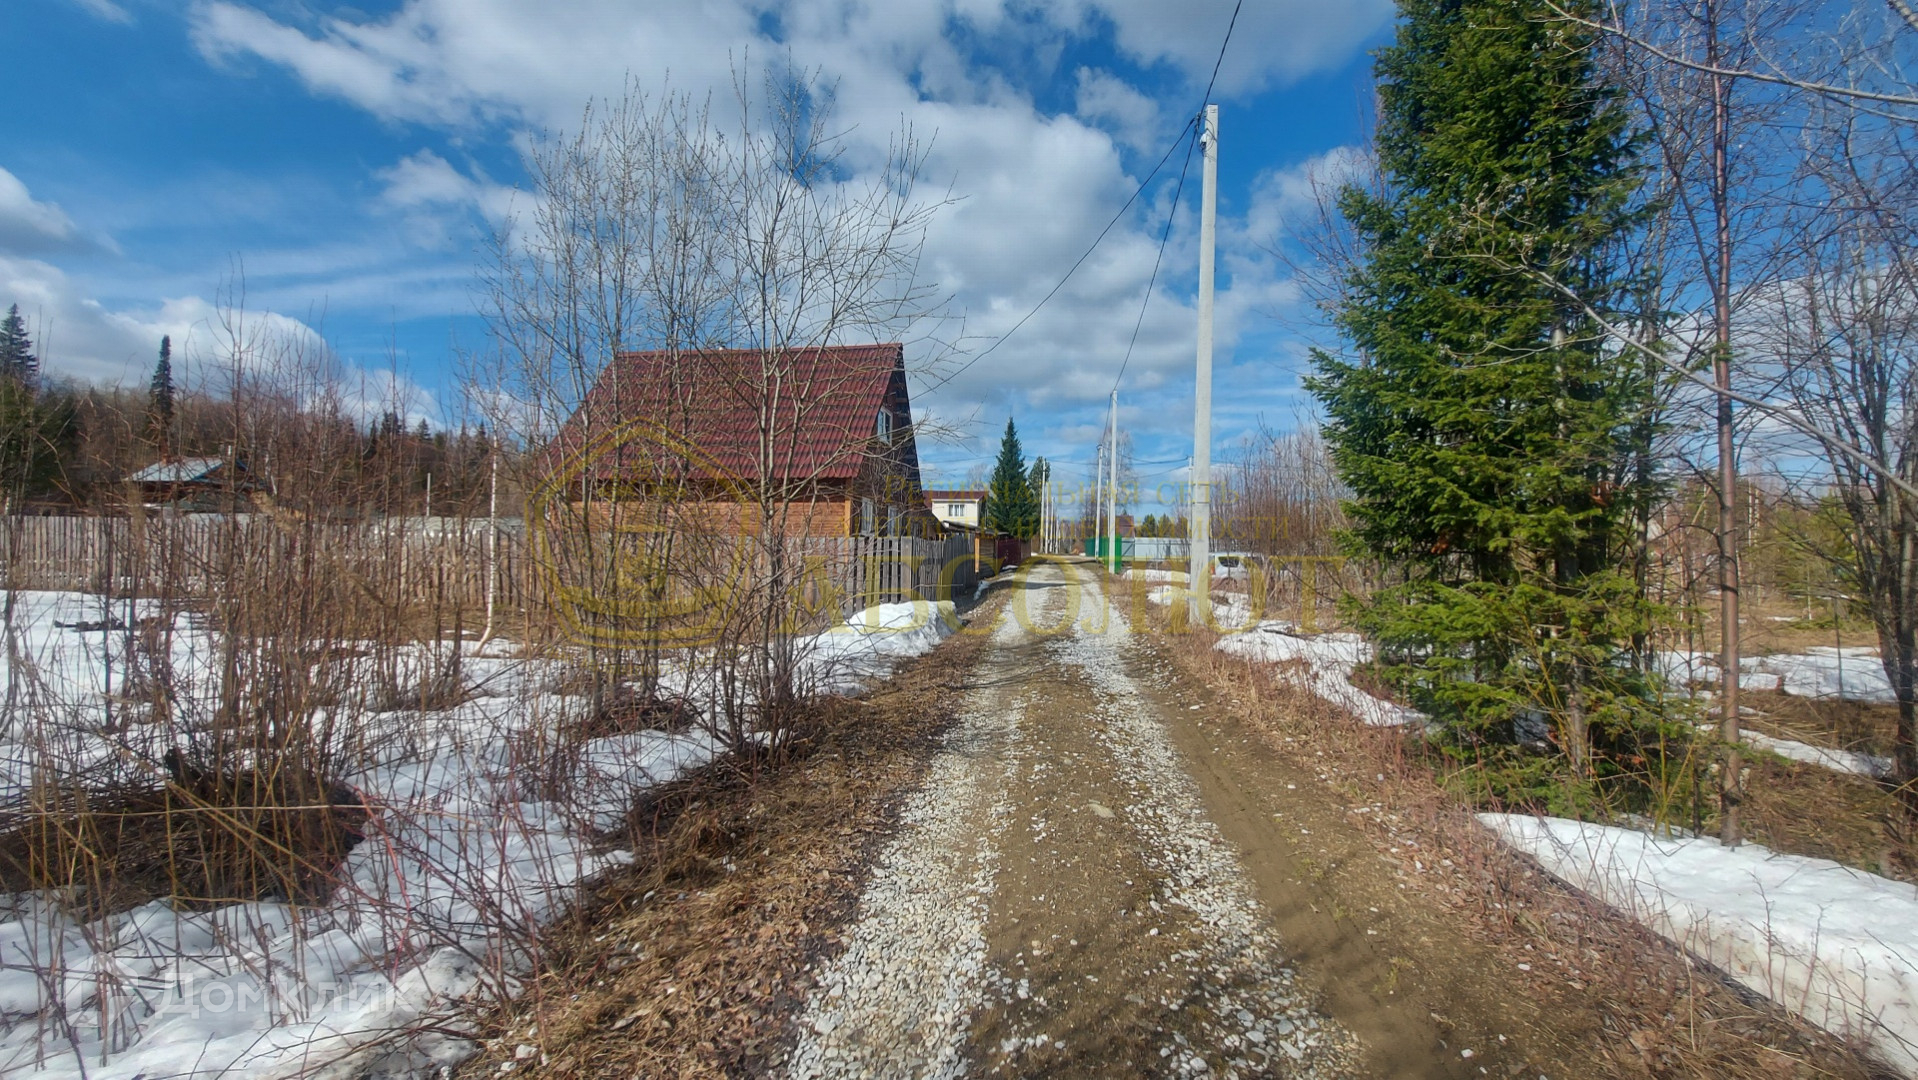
444 559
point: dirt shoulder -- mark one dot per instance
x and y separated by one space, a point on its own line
1410 907
692 962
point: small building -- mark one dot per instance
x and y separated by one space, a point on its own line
823 434
198 483
955 508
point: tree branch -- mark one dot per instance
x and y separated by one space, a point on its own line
1807 85
1785 416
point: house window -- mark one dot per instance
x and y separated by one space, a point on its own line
867 518
883 427
892 521
956 509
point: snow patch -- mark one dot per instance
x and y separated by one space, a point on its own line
1850 674
484 833
1837 946
1844 761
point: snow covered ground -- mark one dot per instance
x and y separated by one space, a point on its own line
1824 672
485 830
1321 663
1845 761
1853 673
1832 944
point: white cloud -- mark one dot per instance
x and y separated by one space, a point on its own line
1034 190
78 337
1274 41
107 11
436 198
1291 197
1108 101
456 62
31 227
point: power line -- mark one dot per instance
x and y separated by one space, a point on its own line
1173 211
1166 234
1116 218
1221 59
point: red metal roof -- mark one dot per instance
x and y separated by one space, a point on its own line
815 410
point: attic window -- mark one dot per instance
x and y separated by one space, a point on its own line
883 427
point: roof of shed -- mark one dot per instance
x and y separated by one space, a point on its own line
817 408
183 471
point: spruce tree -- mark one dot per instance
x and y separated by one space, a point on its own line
160 396
1011 507
1037 477
1483 426
16 349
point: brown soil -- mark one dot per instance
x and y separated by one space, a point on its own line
691 963
1465 929
1360 916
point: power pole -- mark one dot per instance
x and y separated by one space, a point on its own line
1098 496
1112 492
1042 520
1202 391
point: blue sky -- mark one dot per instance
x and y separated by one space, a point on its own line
351 158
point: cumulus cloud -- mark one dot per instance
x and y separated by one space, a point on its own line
458 62
1274 41
1290 197
78 337
31 227
1110 102
1033 190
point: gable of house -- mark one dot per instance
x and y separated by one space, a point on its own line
806 415
827 429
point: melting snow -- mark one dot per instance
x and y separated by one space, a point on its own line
485 832
1832 944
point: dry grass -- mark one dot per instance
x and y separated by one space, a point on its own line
692 962
1629 1003
1810 810
203 845
1848 725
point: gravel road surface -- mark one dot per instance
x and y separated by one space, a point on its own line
1057 901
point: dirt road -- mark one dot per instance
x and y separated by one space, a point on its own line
1060 899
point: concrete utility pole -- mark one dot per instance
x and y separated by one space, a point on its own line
1202 391
1098 497
1112 492
1041 539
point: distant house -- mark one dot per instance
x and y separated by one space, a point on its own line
963 509
200 483
824 433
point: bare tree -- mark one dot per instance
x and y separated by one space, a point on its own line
737 255
1783 131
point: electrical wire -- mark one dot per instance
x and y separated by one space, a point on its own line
1116 218
1164 235
1190 127
1173 210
